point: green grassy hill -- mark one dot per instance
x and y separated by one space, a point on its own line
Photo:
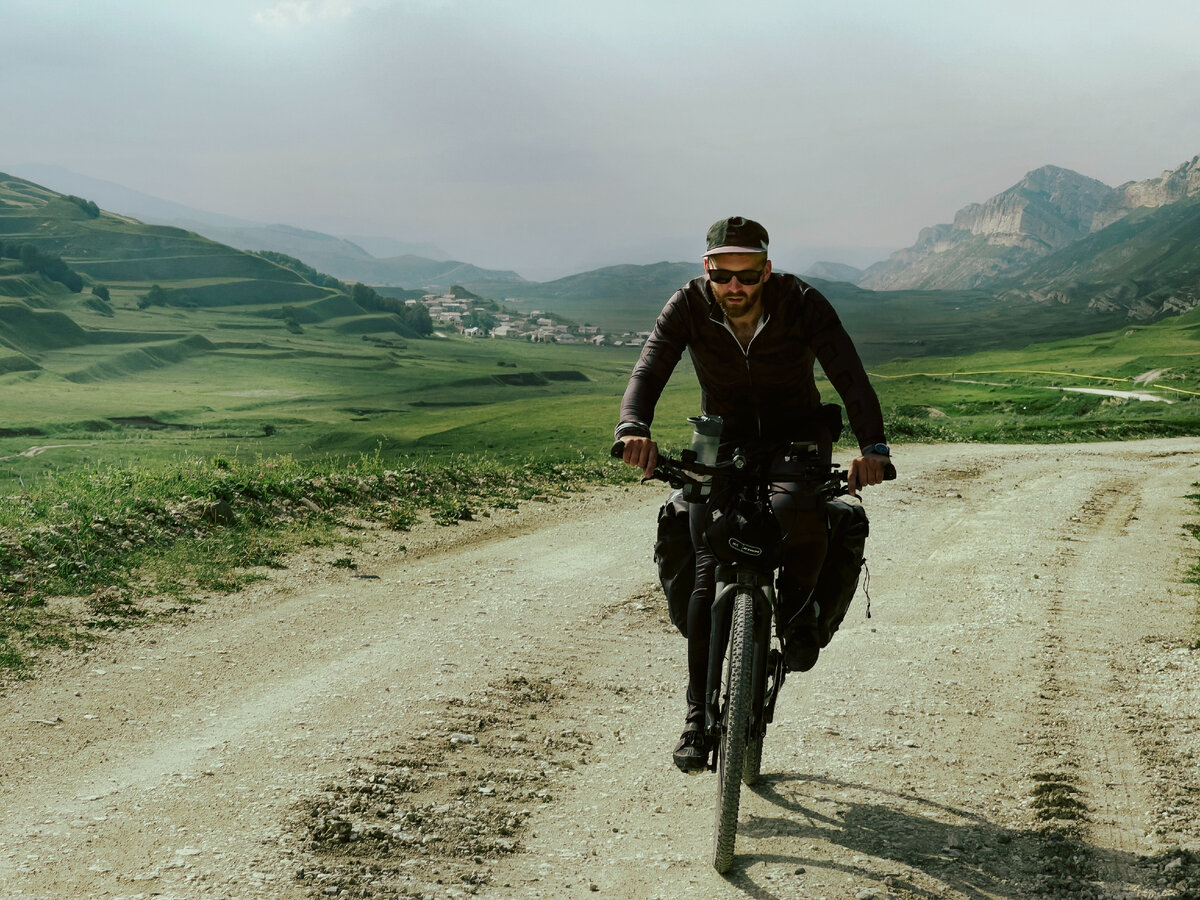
616 298
884 324
249 356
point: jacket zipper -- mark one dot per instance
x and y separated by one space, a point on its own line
762 323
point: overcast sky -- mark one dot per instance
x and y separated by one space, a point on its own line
551 135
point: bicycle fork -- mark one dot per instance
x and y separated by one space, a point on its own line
731 580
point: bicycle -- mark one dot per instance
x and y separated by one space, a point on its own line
746 667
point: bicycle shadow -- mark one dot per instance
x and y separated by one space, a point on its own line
955 849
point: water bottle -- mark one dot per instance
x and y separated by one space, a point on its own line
706 438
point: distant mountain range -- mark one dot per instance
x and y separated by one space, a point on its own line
369 259
129 276
1061 236
1054 237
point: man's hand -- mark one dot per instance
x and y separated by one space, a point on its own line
641 452
864 470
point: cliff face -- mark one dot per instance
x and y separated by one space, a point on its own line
1050 208
1169 187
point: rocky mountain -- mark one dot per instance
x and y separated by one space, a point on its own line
1146 265
1049 209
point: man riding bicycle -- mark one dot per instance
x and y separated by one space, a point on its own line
753 340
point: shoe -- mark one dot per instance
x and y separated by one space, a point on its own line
691 753
801 649
801 658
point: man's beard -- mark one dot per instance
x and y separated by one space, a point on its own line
738 310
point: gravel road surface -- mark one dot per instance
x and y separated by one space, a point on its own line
491 710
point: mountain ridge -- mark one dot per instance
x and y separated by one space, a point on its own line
1046 211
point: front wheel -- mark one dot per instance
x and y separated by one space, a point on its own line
735 727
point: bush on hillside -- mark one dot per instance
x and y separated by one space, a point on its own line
156 296
101 291
88 206
415 317
49 265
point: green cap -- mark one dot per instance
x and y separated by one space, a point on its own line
737 234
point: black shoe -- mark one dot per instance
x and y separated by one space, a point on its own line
801 649
691 753
801 658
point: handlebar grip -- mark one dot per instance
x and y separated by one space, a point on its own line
617 451
889 472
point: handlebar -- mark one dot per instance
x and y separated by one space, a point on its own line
673 471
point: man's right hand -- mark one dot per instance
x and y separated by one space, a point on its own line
641 452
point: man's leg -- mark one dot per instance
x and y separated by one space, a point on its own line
691 754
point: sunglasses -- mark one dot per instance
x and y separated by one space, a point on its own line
746 276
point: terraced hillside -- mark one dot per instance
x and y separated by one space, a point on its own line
174 344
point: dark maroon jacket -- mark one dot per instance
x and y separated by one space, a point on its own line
766 391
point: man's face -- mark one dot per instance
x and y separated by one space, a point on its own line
738 300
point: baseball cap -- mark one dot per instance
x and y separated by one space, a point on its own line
737 234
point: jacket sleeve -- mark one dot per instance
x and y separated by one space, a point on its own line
839 358
657 361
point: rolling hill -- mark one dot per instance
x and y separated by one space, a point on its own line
166 345
384 262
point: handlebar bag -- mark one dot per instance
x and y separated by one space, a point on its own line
743 530
675 558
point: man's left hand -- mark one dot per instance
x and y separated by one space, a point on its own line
865 470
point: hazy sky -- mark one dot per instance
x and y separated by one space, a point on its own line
554 135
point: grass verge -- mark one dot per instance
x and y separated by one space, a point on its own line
106 548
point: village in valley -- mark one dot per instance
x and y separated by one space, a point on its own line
475 317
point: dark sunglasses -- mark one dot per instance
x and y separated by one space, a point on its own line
746 276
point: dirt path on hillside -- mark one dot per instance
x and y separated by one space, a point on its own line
491 712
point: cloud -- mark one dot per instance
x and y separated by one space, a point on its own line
299 13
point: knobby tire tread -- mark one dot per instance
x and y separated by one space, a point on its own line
735 728
752 762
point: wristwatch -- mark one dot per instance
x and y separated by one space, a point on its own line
881 449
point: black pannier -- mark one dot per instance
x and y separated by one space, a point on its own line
676 558
838 580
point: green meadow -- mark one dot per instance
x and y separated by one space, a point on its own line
150 386
1137 381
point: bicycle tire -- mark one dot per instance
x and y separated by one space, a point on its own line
752 761
735 724
756 729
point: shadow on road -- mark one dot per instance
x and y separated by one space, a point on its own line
919 848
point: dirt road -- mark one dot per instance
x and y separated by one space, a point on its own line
492 711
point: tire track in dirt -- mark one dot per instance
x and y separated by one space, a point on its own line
1093 796
1088 793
